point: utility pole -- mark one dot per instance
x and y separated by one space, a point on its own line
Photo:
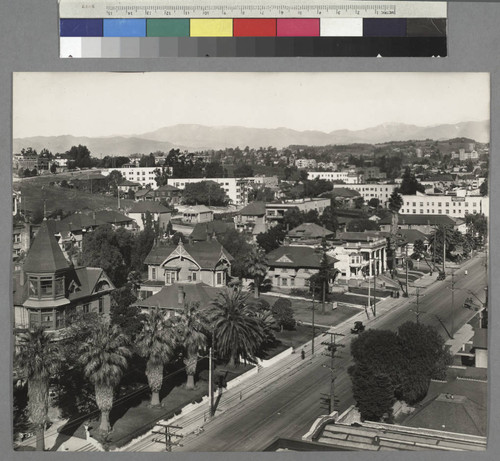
444 249
313 332
417 303
332 348
168 436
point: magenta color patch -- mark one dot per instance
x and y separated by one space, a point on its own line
298 28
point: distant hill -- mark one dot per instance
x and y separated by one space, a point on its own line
199 137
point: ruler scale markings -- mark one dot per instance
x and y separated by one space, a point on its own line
197 8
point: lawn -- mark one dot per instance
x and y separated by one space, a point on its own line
132 415
303 311
60 198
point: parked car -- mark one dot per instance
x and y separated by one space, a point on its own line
358 327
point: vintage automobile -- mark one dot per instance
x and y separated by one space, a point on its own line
358 327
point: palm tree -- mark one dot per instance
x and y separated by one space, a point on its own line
191 326
38 358
237 331
156 343
256 264
395 204
104 358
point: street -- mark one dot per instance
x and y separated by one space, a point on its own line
288 408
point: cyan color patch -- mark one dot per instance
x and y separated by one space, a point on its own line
124 27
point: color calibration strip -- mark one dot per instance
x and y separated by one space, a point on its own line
383 34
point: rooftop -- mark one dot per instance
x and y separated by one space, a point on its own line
45 255
296 257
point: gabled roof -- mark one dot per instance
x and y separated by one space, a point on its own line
411 235
253 209
296 257
207 253
45 255
112 217
197 209
79 221
168 296
203 231
152 207
310 230
420 220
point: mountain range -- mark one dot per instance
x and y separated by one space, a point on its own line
201 137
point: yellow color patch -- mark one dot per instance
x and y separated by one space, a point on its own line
211 28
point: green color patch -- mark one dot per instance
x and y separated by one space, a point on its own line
167 28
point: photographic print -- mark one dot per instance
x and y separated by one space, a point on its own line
243 262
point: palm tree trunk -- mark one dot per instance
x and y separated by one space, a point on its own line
154 373
104 400
40 438
38 406
190 361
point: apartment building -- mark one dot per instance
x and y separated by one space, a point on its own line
382 192
455 206
348 177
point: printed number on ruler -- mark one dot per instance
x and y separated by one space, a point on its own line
249 8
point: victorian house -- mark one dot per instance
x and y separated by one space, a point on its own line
48 288
191 266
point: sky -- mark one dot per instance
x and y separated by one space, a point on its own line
107 104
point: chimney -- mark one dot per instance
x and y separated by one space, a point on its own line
181 295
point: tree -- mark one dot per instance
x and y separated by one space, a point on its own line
129 318
283 313
156 343
238 247
79 156
101 249
426 358
272 238
38 359
410 185
328 219
395 204
361 224
243 171
191 327
256 266
104 358
205 193
483 188
237 332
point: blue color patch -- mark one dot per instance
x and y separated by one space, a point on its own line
80 27
384 27
124 28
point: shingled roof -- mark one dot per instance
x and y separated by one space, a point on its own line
296 257
206 254
310 231
253 209
45 255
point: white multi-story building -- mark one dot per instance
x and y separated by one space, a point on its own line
305 163
145 176
348 177
369 191
455 206
236 188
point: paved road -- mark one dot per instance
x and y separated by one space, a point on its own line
288 408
